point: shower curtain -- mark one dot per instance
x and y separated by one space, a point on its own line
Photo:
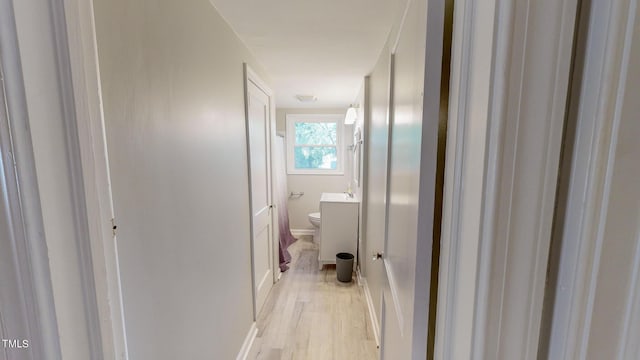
280 198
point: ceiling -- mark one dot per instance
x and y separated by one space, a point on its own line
322 48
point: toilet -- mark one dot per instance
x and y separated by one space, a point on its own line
314 219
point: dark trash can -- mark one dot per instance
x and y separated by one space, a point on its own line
344 266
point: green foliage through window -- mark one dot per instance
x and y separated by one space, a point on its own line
316 133
316 157
316 145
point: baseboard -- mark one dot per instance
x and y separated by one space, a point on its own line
375 325
359 277
301 232
248 342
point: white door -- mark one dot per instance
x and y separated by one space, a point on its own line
259 135
411 183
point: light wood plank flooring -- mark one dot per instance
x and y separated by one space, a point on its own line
310 315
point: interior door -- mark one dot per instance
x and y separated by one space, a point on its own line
411 170
259 135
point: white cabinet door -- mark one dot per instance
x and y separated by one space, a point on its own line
339 231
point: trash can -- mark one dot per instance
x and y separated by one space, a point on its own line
344 266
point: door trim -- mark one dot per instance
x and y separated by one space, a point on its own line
94 182
458 268
492 279
605 44
252 76
19 180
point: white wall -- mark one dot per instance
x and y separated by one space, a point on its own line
173 91
313 185
622 231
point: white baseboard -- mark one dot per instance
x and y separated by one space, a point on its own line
375 325
248 342
301 232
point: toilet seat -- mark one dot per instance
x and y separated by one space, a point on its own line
315 216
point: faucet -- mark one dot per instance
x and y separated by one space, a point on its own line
349 192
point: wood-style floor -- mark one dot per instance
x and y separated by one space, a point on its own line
310 315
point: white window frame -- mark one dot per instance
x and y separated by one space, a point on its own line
292 119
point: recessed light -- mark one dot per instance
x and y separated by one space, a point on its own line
306 98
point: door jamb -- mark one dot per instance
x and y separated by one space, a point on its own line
74 47
84 70
597 109
479 300
19 180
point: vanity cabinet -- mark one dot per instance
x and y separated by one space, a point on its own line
338 227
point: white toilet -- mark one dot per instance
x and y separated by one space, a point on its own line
314 219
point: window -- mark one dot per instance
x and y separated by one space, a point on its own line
314 144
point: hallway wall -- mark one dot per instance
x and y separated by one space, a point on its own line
173 91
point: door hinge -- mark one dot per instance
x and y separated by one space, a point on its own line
113 226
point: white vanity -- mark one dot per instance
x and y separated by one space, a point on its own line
339 226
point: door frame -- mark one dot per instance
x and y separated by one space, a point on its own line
491 282
77 39
22 199
251 76
84 69
598 92
73 54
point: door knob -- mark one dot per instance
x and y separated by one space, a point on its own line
377 256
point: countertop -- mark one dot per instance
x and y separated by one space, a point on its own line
338 197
